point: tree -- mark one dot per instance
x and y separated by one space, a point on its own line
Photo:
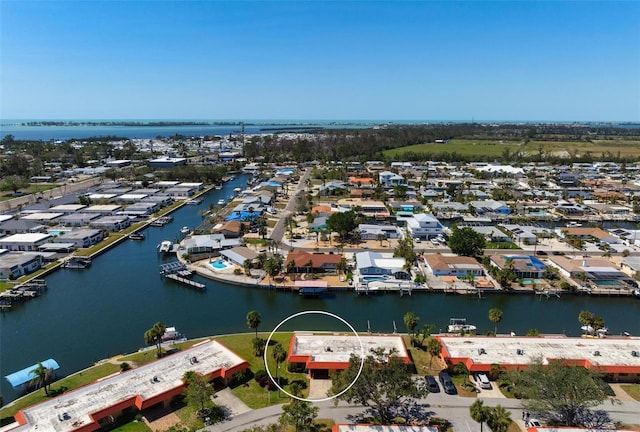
153 336
495 316
258 345
253 321
433 348
479 412
424 333
198 391
342 223
591 323
411 322
384 384
42 377
545 392
499 419
14 183
246 265
299 414
466 242
279 355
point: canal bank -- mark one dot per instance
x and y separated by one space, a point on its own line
89 315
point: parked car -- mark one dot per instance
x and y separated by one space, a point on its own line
483 381
541 253
432 384
447 383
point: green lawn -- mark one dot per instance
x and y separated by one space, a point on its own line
134 426
250 392
495 149
632 390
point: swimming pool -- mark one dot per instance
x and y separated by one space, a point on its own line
607 282
531 281
219 264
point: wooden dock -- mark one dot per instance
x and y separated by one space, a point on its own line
187 282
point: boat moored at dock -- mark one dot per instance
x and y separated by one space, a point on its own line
459 325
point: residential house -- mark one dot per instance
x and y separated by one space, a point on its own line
452 265
374 264
490 206
14 265
77 219
82 237
376 232
525 267
231 229
238 255
390 179
26 242
300 261
209 243
423 226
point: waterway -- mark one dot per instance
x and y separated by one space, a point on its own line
63 132
88 315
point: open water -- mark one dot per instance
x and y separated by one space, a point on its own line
88 315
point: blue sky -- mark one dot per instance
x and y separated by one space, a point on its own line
506 60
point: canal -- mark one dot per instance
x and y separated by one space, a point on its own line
89 315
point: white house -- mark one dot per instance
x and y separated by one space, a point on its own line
424 226
82 237
26 242
374 264
14 265
390 179
375 232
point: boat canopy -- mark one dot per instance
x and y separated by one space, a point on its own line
25 375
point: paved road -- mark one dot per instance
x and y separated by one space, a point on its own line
453 408
277 233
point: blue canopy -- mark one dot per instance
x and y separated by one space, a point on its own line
25 375
243 215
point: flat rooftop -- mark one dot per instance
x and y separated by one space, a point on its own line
337 348
384 428
142 383
612 352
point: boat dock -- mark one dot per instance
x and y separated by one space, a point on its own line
178 271
185 281
22 293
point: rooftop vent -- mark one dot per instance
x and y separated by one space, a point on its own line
481 351
635 353
520 352
596 353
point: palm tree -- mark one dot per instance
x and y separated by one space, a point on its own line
253 320
499 419
479 412
279 355
433 348
42 377
246 264
411 322
495 316
153 336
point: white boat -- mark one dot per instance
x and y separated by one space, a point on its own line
457 325
165 247
574 225
194 201
589 330
220 202
170 333
185 230
636 293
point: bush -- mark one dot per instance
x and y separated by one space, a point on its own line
262 377
124 367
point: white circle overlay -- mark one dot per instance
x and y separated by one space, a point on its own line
320 312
